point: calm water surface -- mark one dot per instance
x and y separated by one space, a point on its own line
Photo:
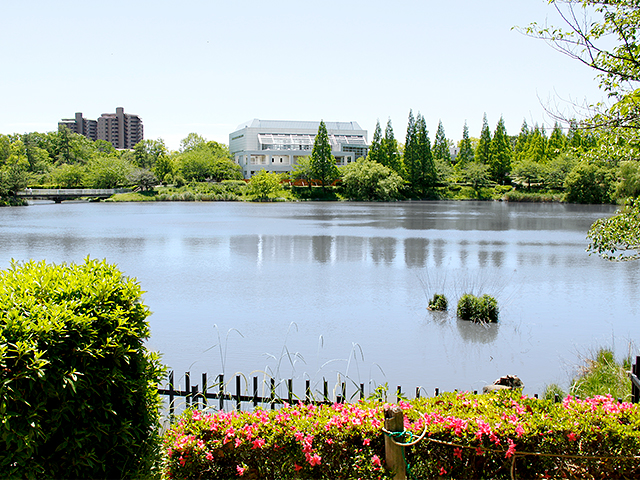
339 290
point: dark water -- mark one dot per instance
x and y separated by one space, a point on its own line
339 290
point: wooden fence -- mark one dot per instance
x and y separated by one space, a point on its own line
199 397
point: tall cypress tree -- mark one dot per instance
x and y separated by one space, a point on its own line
483 152
375 150
428 174
500 160
521 141
441 145
323 165
411 165
389 148
557 142
466 149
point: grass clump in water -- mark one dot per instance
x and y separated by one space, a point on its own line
478 309
438 303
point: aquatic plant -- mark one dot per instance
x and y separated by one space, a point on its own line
438 303
478 309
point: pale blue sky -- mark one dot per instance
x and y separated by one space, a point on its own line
206 66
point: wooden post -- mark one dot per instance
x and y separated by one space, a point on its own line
273 393
187 387
255 392
417 392
325 391
394 458
635 391
290 391
362 391
398 394
194 396
171 401
221 390
307 391
204 389
238 392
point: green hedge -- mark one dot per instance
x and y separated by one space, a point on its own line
78 389
467 437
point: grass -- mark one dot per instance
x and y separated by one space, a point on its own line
533 197
599 374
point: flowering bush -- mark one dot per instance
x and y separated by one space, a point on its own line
466 436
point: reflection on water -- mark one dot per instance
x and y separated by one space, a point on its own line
353 274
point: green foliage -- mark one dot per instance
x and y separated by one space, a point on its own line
528 171
375 149
389 155
532 197
323 164
500 157
78 389
483 150
465 155
603 375
618 237
143 178
478 309
108 172
589 183
68 176
629 180
477 174
465 436
303 170
438 303
441 145
264 186
367 181
556 171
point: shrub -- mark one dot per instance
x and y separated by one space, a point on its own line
438 303
466 436
478 309
78 389
589 183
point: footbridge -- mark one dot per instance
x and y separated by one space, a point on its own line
59 194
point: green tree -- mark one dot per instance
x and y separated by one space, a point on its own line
528 171
556 170
411 158
366 180
147 152
164 169
483 151
440 149
302 170
589 183
477 174
143 178
191 142
323 164
465 155
617 238
264 185
108 172
428 172
557 142
68 176
389 155
521 142
375 149
500 158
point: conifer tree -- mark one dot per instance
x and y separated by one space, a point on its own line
557 142
483 152
536 145
375 150
389 150
521 141
411 164
441 145
428 174
500 159
466 149
323 164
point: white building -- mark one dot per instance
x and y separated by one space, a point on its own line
276 146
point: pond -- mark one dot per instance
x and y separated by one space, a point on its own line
339 290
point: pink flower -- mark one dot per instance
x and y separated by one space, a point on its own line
298 436
315 460
572 436
258 443
519 431
442 471
181 460
512 448
479 451
297 467
209 456
366 441
376 461
457 452
240 470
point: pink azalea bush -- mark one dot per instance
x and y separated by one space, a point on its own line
467 436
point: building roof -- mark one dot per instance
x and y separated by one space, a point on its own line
292 124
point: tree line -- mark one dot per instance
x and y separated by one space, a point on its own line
64 159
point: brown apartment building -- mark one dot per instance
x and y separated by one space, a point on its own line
122 130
